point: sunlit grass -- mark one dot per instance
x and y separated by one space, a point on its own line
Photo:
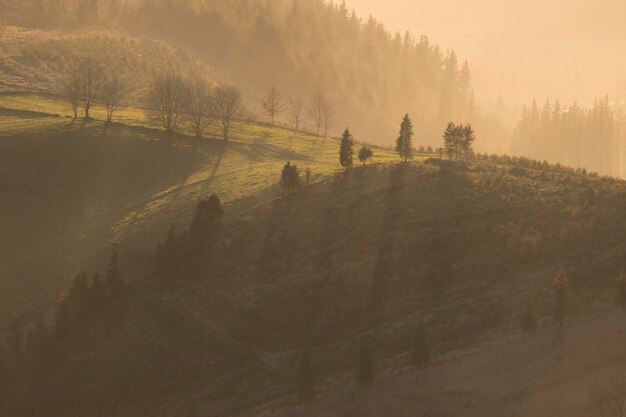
248 164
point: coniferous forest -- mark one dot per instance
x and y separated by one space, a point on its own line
306 48
296 208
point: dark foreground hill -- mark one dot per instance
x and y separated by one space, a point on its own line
364 257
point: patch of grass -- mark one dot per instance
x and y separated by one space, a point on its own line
77 169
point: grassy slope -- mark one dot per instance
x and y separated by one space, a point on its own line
354 256
79 188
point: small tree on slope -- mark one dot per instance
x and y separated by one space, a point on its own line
346 149
404 143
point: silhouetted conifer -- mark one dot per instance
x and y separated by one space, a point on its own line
346 149
208 213
450 139
290 177
306 378
420 352
404 143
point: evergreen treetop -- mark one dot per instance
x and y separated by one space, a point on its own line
404 143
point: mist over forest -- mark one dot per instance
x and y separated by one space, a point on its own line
285 208
484 73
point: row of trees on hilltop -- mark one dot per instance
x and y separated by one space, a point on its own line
318 110
171 96
457 143
576 136
306 48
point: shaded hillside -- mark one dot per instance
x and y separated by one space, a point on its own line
76 190
365 255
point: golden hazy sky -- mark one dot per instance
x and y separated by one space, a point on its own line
571 48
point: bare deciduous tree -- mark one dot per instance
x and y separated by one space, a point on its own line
112 89
70 89
225 106
89 73
273 104
295 111
327 114
609 397
316 110
198 104
167 98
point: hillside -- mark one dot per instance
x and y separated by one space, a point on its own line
76 190
366 255
307 49
36 61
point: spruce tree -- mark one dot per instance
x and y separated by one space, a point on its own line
208 213
346 150
449 139
365 374
468 138
290 177
306 378
420 351
404 143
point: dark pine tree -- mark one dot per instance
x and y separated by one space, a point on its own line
208 214
306 378
346 149
365 370
450 139
404 143
420 351
467 141
290 177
